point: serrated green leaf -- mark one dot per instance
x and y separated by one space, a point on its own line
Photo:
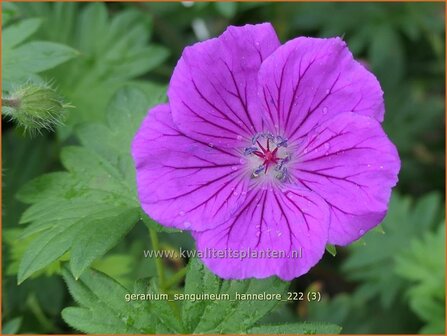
90 207
198 280
96 320
305 328
227 315
104 308
100 296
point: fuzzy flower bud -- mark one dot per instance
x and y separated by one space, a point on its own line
35 107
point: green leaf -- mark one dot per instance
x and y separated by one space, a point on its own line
373 262
22 61
114 50
19 32
151 224
226 316
331 249
104 307
12 326
198 280
89 208
424 266
45 249
99 236
306 328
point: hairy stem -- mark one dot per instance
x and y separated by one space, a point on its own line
158 261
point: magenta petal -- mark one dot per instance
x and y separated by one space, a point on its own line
309 80
350 162
213 90
183 182
270 219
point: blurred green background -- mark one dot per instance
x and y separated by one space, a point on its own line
392 281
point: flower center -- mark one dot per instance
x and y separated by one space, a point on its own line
269 155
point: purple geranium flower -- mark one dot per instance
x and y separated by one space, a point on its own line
267 147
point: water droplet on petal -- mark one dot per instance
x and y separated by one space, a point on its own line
211 144
327 91
369 166
234 168
381 167
362 232
324 110
186 224
239 137
181 213
279 233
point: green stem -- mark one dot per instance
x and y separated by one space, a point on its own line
158 261
34 306
176 278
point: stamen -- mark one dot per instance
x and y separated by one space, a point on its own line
250 150
281 142
258 171
255 138
267 148
282 174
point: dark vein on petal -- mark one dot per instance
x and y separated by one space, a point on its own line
215 107
239 94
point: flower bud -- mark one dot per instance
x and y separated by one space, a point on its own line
35 107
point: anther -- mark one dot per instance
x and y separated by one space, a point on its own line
258 170
250 150
280 141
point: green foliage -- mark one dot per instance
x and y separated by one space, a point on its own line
305 328
113 51
374 262
104 310
379 302
22 61
424 266
392 281
90 207
12 326
331 249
